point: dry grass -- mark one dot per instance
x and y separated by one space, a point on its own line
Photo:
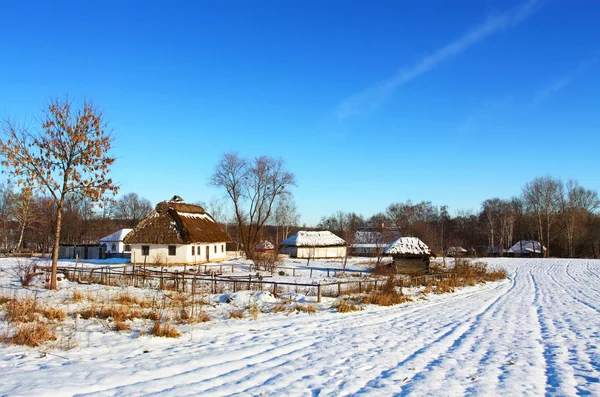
77 296
253 310
121 326
164 329
310 309
126 298
32 334
237 314
28 310
385 299
278 308
344 306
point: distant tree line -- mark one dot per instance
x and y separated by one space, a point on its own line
563 217
27 219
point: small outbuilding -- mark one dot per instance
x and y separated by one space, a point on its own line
313 244
265 246
411 255
456 251
530 248
114 245
177 233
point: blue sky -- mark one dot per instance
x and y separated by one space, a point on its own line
368 103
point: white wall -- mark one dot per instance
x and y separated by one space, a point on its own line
119 247
316 252
183 253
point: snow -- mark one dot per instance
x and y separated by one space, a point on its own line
313 239
526 247
534 334
407 246
195 215
116 236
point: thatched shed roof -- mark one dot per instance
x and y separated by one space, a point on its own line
407 246
176 222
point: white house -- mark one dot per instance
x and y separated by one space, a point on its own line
321 244
114 243
177 233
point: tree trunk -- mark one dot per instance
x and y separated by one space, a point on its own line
21 237
56 246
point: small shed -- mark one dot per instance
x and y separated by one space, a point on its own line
265 246
115 247
456 251
529 248
411 255
313 244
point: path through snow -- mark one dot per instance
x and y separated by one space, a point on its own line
534 334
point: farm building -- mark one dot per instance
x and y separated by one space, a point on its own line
114 245
265 246
456 251
526 248
321 244
81 251
410 254
372 241
177 233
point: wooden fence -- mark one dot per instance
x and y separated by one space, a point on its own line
198 283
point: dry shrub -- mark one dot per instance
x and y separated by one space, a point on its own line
237 314
254 310
22 310
310 309
471 273
122 326
278 308
428 288
202 317
25 270
77 296
385 299
444 286
347 307
126 298
32 335
164 329
52 313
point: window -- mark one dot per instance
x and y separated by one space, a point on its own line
215 248
222 247
172 250
145 250
193 250
113 247
127 247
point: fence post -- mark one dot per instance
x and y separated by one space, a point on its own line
274 289
359 287
234 286
375 285
319 293
311 273
339 289
294 272
327 272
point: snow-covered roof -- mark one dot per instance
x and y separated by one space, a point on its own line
407 246
526 247
265 246
313 239
116 236
456 250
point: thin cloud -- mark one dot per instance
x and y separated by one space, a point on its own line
560 83
373 97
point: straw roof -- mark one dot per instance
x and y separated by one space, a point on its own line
313 239
176 222
408 246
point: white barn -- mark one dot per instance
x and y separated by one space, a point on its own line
177 233
114 242
320 244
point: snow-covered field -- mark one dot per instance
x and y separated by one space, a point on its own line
534 334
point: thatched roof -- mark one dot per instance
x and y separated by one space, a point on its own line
313 239
527 247
176 222
407 246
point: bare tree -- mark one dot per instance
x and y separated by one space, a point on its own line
286 216
132 208
23 212
6 208
542 198
68 156
576 204
253 187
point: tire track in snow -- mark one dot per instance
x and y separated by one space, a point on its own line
571 366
